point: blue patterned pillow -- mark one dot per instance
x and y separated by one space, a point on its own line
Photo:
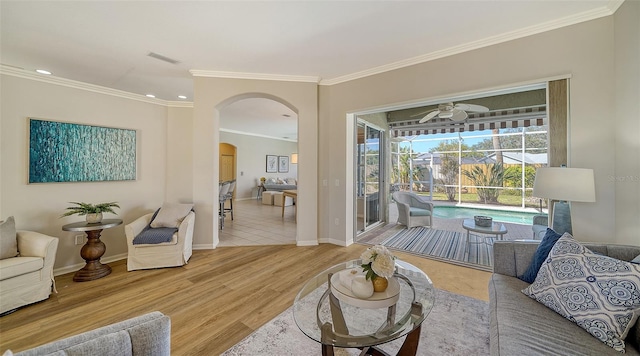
550 238
599 293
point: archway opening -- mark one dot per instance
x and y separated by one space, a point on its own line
260 127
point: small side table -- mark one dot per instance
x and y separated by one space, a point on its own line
497 229
93 249
260 190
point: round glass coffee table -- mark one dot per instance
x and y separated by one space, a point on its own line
327 314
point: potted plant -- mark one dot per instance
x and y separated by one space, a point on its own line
93 212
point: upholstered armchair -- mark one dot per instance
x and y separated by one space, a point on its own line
173 253
413 210
540 224
28 277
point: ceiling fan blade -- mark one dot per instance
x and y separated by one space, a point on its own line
472 107
429 116
459 115
421 113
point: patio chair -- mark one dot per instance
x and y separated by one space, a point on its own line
413 210
540 224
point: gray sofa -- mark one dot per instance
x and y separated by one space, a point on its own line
520 325
145 335
280 184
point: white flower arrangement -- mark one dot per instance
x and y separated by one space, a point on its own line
378 261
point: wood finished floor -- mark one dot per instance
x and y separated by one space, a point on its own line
216 300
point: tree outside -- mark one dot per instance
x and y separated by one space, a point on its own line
403 173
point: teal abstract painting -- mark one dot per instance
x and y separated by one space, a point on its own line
66 152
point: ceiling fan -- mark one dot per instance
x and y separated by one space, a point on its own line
457 112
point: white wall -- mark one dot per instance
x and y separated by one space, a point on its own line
38 206
251 160
211 96
585 51
626 178
179 155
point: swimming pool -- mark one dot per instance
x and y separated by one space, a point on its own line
453 212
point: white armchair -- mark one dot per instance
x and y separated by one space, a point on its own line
28 278
166 254
413 210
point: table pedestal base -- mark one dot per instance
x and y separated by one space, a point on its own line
409 347
91 253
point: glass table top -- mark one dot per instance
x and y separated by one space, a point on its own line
330 321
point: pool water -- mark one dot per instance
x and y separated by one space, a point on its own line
453 212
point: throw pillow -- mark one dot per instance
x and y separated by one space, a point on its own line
291 181
8 239
171 215
599 293
550 238
636 260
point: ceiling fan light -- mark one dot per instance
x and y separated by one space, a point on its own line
446 115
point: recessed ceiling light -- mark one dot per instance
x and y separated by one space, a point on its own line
42 71
181 97
150 96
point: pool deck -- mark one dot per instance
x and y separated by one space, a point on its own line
514 231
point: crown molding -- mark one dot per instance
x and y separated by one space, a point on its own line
602 11
22 73
257 76
256 135
180 104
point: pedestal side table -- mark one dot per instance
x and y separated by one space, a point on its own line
93 250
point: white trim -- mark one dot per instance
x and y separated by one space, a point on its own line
21 73
306 243
256 135
327 240
257 76
77 266
180 104
603 11
203 247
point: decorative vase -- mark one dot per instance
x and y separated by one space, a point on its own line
380 284
361 288
94 218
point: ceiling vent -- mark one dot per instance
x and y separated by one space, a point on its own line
162 58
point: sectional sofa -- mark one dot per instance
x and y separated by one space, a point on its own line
520 325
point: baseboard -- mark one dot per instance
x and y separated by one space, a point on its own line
332 241
75 267
203 247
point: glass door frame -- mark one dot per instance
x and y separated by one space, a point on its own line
382 178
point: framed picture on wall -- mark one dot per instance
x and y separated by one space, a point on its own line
283 164
69 152
272 164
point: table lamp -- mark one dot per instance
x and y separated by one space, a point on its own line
564 185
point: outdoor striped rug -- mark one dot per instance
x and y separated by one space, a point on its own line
448 246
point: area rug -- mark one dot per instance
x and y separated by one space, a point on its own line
457 325
448 246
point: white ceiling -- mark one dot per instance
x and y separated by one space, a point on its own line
107 43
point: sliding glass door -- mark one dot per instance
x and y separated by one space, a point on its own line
369 172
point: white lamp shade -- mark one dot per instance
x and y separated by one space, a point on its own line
294 158
570 184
